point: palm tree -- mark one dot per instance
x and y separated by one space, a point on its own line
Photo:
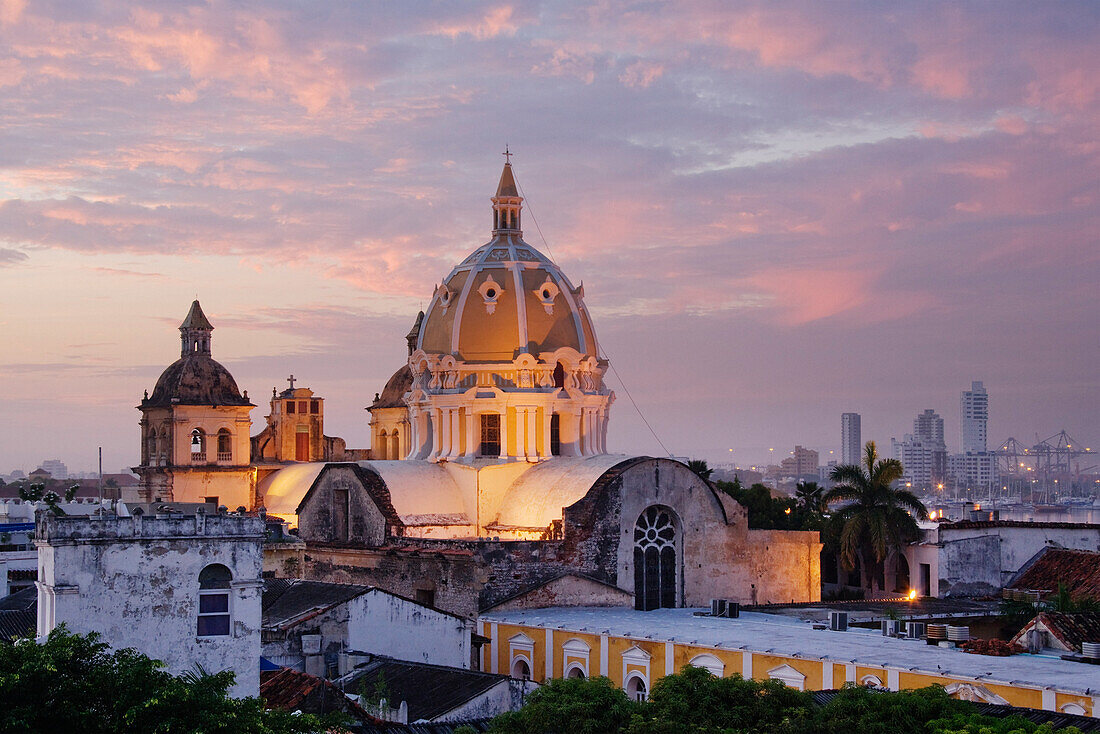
874 519
699 466
811 498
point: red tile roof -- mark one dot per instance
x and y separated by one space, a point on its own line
1073 629
291 690
1078 570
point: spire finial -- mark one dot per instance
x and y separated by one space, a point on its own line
507 155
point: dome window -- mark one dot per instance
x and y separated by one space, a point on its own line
490 292
444 295
546 293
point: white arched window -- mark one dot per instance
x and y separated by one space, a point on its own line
708 662
636 687
214 612
575 671
521 669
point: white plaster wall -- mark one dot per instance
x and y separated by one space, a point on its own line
135 582
1017 546
385 624
493 702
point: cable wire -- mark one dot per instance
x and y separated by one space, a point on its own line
531 211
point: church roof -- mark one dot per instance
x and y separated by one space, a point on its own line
539 495
504 299
507 185
195 380
429 690
196 319
393 394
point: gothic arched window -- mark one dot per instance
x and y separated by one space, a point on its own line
655 559
214 583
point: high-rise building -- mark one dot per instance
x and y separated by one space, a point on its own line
56 468
928 427
851 441
923 454
975 416
801 464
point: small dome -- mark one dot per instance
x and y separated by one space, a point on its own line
393 394
506 298
195 380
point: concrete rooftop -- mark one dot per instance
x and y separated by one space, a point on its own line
780 635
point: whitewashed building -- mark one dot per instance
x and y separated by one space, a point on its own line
320 628
181 588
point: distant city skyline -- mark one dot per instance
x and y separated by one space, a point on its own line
780 212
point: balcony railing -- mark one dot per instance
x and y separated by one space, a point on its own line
225 456
198 457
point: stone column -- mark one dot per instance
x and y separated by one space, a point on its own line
521 431
456 436
544 447
471 443
504 431
532 437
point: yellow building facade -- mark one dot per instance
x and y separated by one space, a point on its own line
541 644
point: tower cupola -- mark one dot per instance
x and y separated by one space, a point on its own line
195 332
507 202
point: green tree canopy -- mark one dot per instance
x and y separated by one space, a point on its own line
74 683
570 706
694 701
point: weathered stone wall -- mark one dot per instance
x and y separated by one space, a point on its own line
568 591
135 581
365 523
455 578
719 556
970 566
1012 547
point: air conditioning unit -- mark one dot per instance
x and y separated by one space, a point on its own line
725 608
958 634
838 621
914 630
1090 650
889 628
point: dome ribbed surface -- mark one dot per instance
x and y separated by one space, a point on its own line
195 380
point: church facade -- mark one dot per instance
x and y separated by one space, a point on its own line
490 445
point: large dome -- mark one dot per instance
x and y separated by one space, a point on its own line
506 298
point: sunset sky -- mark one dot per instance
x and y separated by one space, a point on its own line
779 211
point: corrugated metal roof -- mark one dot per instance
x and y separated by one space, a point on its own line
429 690
286 601
17 623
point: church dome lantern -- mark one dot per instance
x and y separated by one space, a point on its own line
506 363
